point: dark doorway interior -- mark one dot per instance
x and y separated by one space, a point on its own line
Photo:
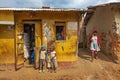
29 43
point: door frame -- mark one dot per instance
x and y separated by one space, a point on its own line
26 22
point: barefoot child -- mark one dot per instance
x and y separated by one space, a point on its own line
94 44
49 60
53 60
42 57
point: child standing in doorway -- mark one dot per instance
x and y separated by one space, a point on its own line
42 57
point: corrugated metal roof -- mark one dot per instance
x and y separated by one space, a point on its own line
41 9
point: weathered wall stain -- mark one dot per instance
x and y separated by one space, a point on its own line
47 32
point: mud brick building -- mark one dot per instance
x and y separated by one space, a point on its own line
106 20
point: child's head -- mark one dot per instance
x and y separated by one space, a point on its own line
95 32
52 48
42 49
48 50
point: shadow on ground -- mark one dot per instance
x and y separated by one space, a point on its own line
86 54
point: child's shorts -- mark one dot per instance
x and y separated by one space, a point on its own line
54 63
49 64
42 61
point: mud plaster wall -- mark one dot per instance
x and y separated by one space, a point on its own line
102 21
116 35
81 37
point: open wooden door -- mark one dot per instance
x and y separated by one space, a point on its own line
19 53
38 42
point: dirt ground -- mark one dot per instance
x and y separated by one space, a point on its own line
101 69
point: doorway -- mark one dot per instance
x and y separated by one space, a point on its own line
29 44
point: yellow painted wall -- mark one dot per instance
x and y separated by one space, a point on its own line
6 16
48 20
6 45
6 39
65 49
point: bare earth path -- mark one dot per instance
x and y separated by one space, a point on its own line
101 69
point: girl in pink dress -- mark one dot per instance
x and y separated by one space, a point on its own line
94 44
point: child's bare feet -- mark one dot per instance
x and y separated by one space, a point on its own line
91 60
40 71
50 71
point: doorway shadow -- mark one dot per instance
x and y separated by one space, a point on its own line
86 54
